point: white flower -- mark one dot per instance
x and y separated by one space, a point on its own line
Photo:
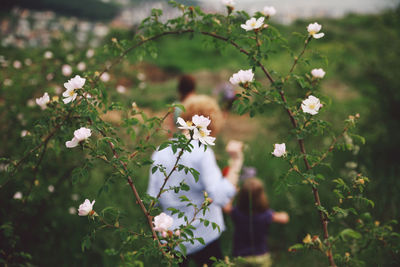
30 103
66 70
86 208
43 101
242 77
203 136
105 77
72 210
279 150
318 73
184 125
49 76
201 132
178 232
313 29
7 82
79 135
17 64
311 105
141 76
121 89
230 3
90 53
253 24
48 54
201 121
162 222
75 83
24 133
81 66
17 195
28 61
50 188
269 11
142 85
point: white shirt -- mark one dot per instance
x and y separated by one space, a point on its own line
211 180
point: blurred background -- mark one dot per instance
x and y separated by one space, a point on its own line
44 42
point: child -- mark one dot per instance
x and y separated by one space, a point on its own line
252 217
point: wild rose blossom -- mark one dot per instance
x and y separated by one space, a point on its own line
86 208
313 30
199 126
318 73
185 125
253 24
162 222
72 210
50 188
66 70
17 195
73 84
229 3
269 11
43 101
121 89
90 53
105 77
242 77
17 64
201 132
279 150
48 54
311 105
81 66
79 135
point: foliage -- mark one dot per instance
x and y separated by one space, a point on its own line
117 155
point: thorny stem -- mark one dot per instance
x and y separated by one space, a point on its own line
296 59
293 120
138 199
331 147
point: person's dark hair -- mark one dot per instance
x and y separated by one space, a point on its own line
187 85
252 198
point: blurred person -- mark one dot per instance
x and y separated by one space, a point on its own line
220 189
186 88
252 217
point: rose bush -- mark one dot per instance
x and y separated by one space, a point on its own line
85 99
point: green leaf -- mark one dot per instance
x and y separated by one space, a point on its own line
349 233
183 249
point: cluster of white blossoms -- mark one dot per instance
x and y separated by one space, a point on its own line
79 135
73 84
43 101
318 73
86 208
242 77
313 29
311 105
253 24
279 150
199 126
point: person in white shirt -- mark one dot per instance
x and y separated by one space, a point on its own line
220 189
